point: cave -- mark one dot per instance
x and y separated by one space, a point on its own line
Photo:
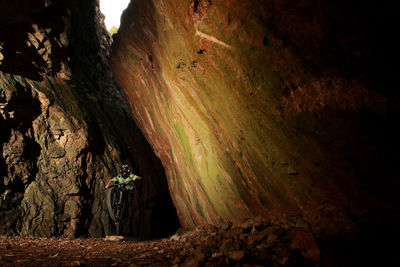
264 130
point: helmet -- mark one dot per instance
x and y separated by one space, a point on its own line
125 171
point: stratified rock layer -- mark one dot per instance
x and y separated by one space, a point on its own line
263 107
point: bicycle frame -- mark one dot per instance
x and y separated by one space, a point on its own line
116 203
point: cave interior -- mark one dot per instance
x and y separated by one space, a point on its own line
259 113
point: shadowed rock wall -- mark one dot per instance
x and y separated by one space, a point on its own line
65 128
265 107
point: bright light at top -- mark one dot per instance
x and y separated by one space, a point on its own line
112 10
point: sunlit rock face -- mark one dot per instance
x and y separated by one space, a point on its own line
263 107
66 129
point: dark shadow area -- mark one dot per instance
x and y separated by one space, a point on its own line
367 242
30 154
24 107
350 39
164 220
19 58
28 49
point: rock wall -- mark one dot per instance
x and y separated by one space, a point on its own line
65 128
265 107
47 163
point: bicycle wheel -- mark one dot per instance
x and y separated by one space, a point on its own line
115 209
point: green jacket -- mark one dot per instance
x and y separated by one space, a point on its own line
126 180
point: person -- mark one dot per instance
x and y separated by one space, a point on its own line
124 177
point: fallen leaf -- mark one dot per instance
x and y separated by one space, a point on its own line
54 255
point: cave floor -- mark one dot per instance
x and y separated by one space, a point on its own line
26 251
254 243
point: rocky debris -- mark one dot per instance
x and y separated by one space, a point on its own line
255 242
244 244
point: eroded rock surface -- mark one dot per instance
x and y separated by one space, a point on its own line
261 107
268 108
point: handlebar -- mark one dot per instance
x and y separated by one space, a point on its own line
122 186
112 183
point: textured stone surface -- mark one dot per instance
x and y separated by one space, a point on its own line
65 128
264 107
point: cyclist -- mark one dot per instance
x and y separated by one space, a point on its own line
124 177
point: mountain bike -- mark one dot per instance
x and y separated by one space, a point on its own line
116 202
